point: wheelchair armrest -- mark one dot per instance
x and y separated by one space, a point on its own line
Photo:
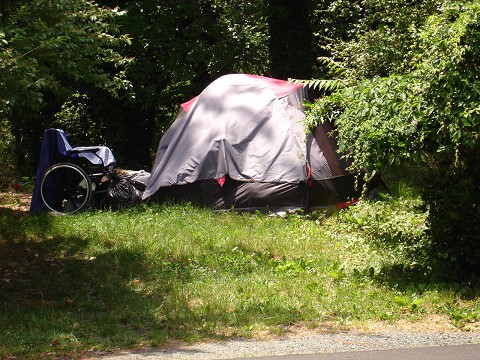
90 149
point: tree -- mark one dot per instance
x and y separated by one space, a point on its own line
426 110
5 8
49 50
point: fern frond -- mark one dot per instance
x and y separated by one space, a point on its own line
321 84
332 66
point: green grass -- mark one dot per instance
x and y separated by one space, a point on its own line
100 281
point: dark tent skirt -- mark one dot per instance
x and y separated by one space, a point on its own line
263 196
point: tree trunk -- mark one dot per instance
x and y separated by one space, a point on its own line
291 38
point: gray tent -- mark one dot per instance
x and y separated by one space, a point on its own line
241 143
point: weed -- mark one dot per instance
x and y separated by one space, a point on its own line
461 315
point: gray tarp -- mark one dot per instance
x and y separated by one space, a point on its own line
236 127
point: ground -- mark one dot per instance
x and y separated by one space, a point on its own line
16 201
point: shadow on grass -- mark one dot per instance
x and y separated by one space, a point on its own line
427 272
441 260
56 299
70 296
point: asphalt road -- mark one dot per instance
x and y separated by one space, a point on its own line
454 352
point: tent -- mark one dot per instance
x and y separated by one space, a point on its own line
241 144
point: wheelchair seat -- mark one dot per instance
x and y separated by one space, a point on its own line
99 155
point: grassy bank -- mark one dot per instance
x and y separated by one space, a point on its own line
100 281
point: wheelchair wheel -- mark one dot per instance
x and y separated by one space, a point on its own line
66 188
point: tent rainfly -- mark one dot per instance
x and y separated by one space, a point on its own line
241 144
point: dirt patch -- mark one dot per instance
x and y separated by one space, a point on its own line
433 323
15 201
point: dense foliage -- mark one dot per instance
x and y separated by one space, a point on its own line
419 105
430 107
291 38
50 50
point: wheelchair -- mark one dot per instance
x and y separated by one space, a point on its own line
72 179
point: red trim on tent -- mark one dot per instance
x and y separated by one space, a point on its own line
281 88
221 181
309 175
187 105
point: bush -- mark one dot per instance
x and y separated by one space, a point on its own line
453 197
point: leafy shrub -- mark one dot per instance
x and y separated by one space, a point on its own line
76 118
453 197
385 241
426 110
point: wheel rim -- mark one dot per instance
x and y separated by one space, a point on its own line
65 188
